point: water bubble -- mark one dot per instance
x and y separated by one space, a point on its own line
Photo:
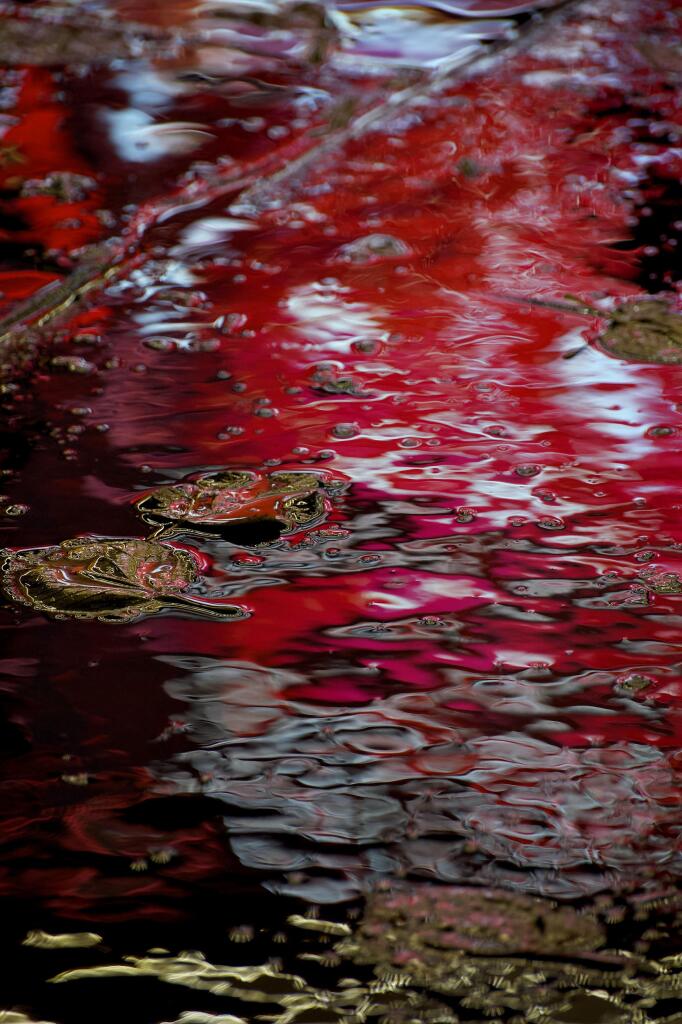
661 431
345 430
245 558
372 248
551 523
529 469
631 684
545 495
465 515
16 510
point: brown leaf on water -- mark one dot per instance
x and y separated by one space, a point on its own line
644 331
274 504
112 580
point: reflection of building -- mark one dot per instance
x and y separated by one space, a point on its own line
356 794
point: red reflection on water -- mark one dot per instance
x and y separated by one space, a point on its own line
455 643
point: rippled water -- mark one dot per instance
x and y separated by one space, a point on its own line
381 712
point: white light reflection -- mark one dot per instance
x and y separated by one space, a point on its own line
321 315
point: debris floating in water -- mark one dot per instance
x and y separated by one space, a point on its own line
245 507
110 580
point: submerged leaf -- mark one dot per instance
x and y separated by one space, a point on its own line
109 580
248 508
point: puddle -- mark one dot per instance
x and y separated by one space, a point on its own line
342 554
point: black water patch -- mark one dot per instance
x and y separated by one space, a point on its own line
658 234
254 533
175 812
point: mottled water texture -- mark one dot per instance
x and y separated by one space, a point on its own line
342 561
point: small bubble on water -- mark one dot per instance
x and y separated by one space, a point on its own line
644 556
246 558
546 496
551 523
368 346
661 431
631 684
345 430
529 469
16 510
465 515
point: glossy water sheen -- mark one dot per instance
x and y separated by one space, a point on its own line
447 710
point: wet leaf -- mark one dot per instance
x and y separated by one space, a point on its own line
248 508
109 580
644 331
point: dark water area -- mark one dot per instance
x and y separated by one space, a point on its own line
342 549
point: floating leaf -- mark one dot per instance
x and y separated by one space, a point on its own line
109 580
644 331
248 508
